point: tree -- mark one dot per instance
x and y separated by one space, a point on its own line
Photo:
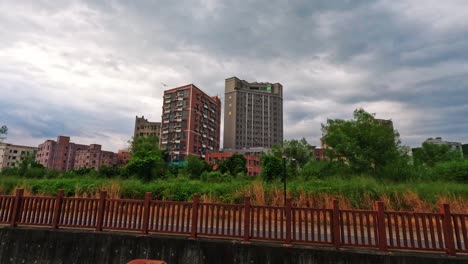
147 160
233 165
298 150
145 146
271 167
3 132
431 154
465 150
195 166
363 142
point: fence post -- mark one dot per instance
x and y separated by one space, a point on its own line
288 221
146 209
448 229
15 212
381 230
101 208
247 218
196 200
57 209
336 224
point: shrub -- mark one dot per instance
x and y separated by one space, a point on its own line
35 173
452 170
322 169
109 172
215 176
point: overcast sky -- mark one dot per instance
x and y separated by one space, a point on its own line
86 68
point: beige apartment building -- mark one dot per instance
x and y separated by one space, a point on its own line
253 114
144 128
11 155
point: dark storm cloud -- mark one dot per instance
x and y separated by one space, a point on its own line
86 68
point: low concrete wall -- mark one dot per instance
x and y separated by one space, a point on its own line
23 245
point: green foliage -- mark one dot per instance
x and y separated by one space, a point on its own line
363 142
215 176
323 169
82 171
195 167
3 131
465 150
431 154
452 170
110 172
148 161
297 150
272 167
147 168
143 147
233 165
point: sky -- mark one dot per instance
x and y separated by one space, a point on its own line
86 68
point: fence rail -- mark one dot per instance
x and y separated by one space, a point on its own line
380 229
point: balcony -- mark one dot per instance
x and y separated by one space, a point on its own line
167 101
167 111
165 132
164 142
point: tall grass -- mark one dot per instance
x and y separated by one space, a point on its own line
352 192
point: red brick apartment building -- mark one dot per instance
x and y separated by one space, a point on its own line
63 155
190 122
253 162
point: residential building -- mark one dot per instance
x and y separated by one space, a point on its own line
317 152
63 155
454 146
123 157
253 114
253 162
144 128
385 122
94 157
11 155
58 155
190 122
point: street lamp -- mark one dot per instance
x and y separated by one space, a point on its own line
284 179
284 176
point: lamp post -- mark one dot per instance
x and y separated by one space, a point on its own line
284 179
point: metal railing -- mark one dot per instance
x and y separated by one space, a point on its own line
379 229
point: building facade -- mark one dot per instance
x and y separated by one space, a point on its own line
11 155
253 114
123 157
58 155
253 162
190 122
94 157
63 155
144 128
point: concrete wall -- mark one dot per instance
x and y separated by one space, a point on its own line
21 245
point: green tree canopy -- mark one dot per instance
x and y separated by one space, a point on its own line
233 165
147 160
271 167
431 154
195 166
363 142
3 132
145 146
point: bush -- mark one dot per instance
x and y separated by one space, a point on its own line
35 173
452 170
215 176
322 169
10 171
109 172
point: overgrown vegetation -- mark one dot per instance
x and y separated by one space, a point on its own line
365 161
